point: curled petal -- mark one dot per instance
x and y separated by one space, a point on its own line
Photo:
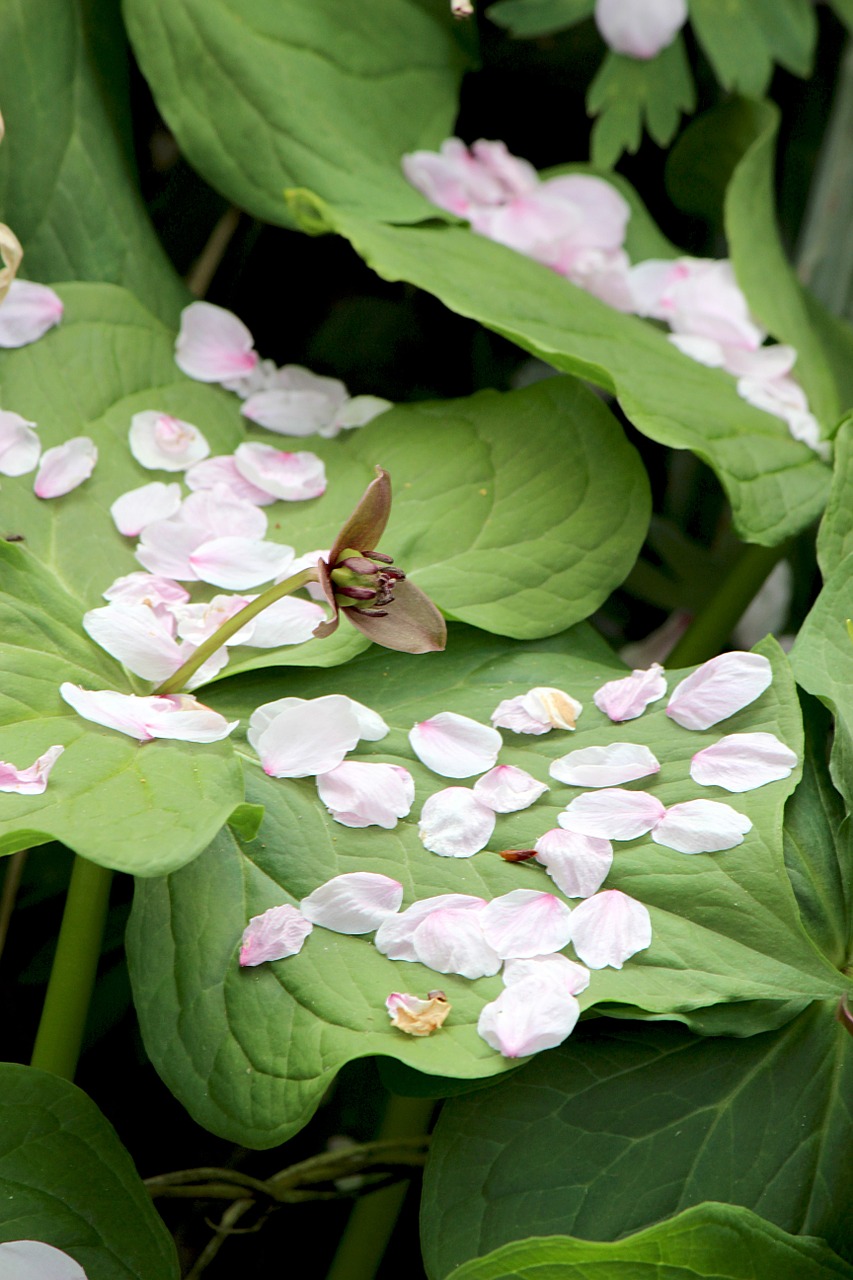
506 789
31 781
160 442
605 766
577 864
371 726
718 689
610 928
65 467
628 698
455 824
453 942
239 563
530 1015
19 445
134 510
293 477
526 923
415 1016
537 711
213 345
639 28
11 252
177 716
357 412
560 970
34 1260
27 312
298 737
278 933
743 761
612 814
455 746
356 902
360 794
394 937
701 826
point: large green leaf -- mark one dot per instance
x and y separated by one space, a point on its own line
835 535
267 94
67 182
66 1179
251 1055
776 486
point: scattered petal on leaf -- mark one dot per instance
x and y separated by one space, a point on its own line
507 789
415 1016
356 902
454 745
610 928
613 814
278 933
605 766
718 689
701 826
455 824
628 698
743 761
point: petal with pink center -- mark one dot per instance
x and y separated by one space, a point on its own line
34 1260
526 923
213 345
455 824
577 864
701 826
222 471
361 794
146 588
394 936
455 746
610 928
558 969
136 637
298 737
356 902
27 312
138 507
452 941
507 789
718 689
639 28
177 716
628 698
19 445
278 933
160 442
286 621
605 766
239 563
31 781
293 477
65 467
528 1016
612 814
743 761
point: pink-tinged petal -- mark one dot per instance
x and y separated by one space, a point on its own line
743 761
165 547
136 637
639 28
196 622
298 737
177 716
356 902
222 515
455 746
513 714
527 1017
34 1260
526 923
610 928
356 412
221 472
278 933
19 445
394 936
701 826
718 689
213 345
452 941
415 1016
160 442
146 588
605 766
564 973
577 864
286 621
139 507
612 814
628 698
27 312
239 563
31 781
290 413
537 711
293 477
507 789
455 824
65 467
360 794
460 180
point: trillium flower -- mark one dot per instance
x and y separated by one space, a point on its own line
356 902
415 1016
455 746
628 698
34 1260
278 933
538 711
19 445
27 312
361 794
718 689
65 467
743 761
31 781
213 345
454 824
177 716
610 928
605 766
639 28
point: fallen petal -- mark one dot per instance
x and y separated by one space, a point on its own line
65 467
289 413
239 563
507 789
526 923
628 698
530 1015
415 1016
19 445
701 826
455 824
609 928
743 761
558 969
293 477
360 794
298 737
278 933
213 345
356 902
139 507
34 1260
577 864
718 689
27 312
31 781
605 766
136 637
286 621
537 711
222 471
453 942
394 936
177 716
613 814
146 588
160 442
455 746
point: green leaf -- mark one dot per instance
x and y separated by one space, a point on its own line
630 94
65 1179
539 17
67 182
625 1125
790 28
733 38
710 1242
246 820
835 534
844 11
251 1054
776 486
279 93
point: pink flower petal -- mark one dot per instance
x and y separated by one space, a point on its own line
537 711
628 698
165 547
610 928
33 1260
701 826
507 789
136 637
177 716
146 588
27 312
718 689
743 761
639 28
460 180
239 563
31 781
298 737
19 445
455 824
605 766
213 345
613 814
452 941
563 972
360 794
526 923
577 864
356 902
134 510
528 1016
221 472
160 442
290 413
293 477
394 937
278 933
455 746
65 467
371 726
220 514
286 621
196 622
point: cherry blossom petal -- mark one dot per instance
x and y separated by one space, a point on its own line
452 941
537 711
136 637
639 28
293 477
286 621
356 902
65 467
160 442
19 445
239 563
610 928
31 781
165 547
556 968
577 864
146 588
219 514
298 737
743 761
196 622
309 561
34 1260
507 789
371 726
605 766
278 933
460 180
526 923
213 345
177 716
361 794
701 826
134 510
612 814
415 1016
222 472
394 936
628 698
289 413
356 412
455 824
528 1016
27 312
455 746
718 689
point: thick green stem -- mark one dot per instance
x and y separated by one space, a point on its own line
75 965
231 626
713 625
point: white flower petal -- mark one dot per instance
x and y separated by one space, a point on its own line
136 637
27 312
293 477
537 711
610 928
452 941
286 621
701 826
19 445
639 28
455 746
605 766
133 510
743 761
160 442
196 622
239 563
177 716
165 547
454 824
558 969
289 413
65 467
718 689
222 515
371 726
34 1260
213 344
507 789
356 902
394 936
577 864
356 412
512 714
528 1016
526 923
278 933
221 472
298 737
628 698
31 781
613 814
361 794
146 588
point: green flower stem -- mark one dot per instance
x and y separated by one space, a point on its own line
713 625
75 964
231 626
